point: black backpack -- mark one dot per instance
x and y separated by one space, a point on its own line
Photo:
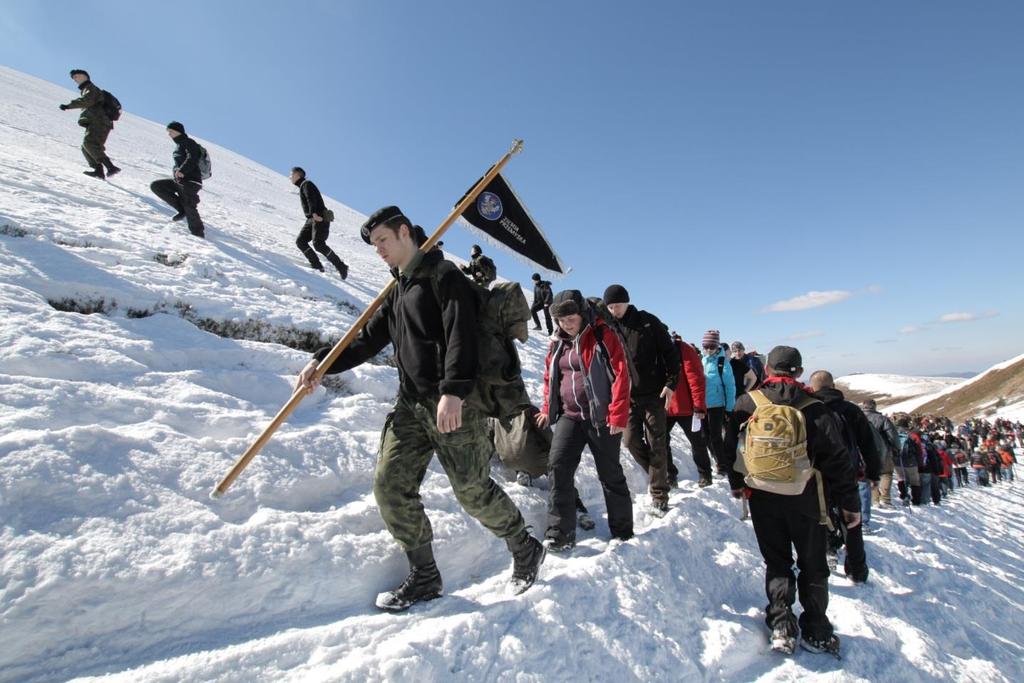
111 106
598 309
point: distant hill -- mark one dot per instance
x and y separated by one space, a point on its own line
997 392
890 390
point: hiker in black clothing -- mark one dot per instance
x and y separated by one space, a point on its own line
182 191
317 226
97 124
866 463
481 268
656 362
782 522
542 298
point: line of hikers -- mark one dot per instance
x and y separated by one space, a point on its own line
191 166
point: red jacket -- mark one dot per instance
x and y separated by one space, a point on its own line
689 394
947 464
617 403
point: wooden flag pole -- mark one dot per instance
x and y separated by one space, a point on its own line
321 369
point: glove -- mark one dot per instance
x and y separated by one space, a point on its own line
63 107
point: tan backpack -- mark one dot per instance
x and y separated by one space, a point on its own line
774 453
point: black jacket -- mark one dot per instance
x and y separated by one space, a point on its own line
542 294
435 341
825 447
186 158
860 428
312 200
654 355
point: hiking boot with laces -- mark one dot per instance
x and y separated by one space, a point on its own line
828 645
527 555
783 639
559 544
423 583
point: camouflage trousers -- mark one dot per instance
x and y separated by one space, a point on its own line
408 442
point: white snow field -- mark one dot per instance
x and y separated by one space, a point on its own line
115 426
895 392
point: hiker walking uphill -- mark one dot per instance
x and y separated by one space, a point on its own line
98 107
656 364
480 268
586 400
430 318
788 511
864 463
542 298
317 226
720 393
182 191
889 441
687 409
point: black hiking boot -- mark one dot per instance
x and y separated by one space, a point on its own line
659 507
96 172
559 544
829 645
783 639
178 216
423 583
524 479
111 169
527 555
704 481
343 270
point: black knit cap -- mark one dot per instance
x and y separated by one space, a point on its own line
536 277
785 358
298 169
75 72
566 303
387 214
616 294
174 125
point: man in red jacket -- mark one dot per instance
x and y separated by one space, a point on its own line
586 400
687 409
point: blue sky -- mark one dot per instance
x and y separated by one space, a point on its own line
844 177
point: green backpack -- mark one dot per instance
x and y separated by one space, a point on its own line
502 317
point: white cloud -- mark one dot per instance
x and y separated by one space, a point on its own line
910 329
809 300
806 335
963 316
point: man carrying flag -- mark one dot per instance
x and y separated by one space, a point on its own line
430 316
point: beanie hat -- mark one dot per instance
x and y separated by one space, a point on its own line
536 277
615 294
712 337
298 169
75 72
566 303
174 125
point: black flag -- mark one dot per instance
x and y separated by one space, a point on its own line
499 215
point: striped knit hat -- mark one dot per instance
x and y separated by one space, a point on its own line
712 337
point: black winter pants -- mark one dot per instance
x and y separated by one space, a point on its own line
540 306
645 438
779 531
317 233
700 449
183 197
569 440
713 426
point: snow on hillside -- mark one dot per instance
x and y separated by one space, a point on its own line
116 425
890 390
995 393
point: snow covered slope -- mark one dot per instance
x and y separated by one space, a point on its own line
997 392
114 427
890 390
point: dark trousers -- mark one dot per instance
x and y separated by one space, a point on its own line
700 450
856 564
645 439
539 306
713 427
317 233
567 444
961 476
936 490
183 197
94 145
778 532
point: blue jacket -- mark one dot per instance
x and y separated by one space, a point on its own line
720 388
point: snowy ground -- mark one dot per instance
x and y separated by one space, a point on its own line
114 428
895 393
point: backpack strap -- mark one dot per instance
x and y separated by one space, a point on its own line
760 400
822 507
